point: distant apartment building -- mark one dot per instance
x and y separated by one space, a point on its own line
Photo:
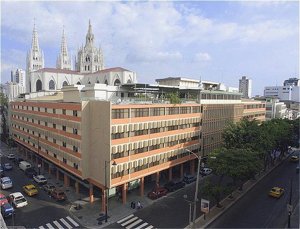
80 131
245 87
275 109
290 91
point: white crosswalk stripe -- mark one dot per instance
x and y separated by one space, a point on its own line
49 226
134 222
72 221
63 223
57 224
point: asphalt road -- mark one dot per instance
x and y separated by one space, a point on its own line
41 209
257 210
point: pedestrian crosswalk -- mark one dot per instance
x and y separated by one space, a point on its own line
134 222
62 223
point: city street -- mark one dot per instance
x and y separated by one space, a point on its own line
257 210
41 209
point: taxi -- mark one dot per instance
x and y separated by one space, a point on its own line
276 192
30 190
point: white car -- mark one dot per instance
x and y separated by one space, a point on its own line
6 183
205 171
40 179
17 199
11 156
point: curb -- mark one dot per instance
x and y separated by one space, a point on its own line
246 190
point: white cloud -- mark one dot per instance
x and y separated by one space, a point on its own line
202 57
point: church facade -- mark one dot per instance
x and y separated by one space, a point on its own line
89 67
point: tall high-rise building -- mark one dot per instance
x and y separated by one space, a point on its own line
18 77
245 87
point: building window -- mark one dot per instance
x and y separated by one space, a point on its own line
64 111
75 113
64 144
46 123
46 137
75 131
75 148
54 111
64 128
46 110
75 165
54 155
54 140
54 125
65 160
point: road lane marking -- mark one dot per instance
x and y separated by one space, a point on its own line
122 220
72 221
129 221
49 226
41 227
133 224
144 224
65 223
57 224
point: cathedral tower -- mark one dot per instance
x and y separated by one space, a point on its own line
90 58
35 58
63 60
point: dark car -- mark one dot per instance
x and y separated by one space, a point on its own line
174 185
18 160
157 193
30 172
58 194
49 188
7 166
7 210
189 178
2 174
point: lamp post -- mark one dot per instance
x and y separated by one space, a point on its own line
106 189
197 184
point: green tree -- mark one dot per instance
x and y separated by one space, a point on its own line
174 98
3 111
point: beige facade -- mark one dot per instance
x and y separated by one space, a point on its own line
142 139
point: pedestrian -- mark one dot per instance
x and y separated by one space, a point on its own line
139 206
132 205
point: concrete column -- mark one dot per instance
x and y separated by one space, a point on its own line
49 169
157 177
124 193
103 200
57 174
192 167
170 174
91 193
76 187
43 165
66 180
181 171
142 187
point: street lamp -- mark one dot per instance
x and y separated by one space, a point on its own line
106 189
197 184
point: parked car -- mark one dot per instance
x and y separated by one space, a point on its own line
157 193
40 179
205 171
30 190
276 192
174 185
11 156
294 159
7 166
58 194
7 210
189 178
17 199
3 199
6 183
49 188
23 165
30 172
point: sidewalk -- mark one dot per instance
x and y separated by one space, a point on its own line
226 203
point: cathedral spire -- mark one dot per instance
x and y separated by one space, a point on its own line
35 41
63 60
89 36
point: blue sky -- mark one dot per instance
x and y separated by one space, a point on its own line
217 41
